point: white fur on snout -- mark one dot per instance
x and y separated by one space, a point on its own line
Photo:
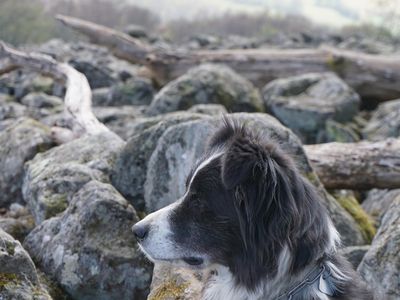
158 244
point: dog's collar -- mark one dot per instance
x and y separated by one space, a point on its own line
320 275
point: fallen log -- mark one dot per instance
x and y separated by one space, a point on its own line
374 77
363 165
78 96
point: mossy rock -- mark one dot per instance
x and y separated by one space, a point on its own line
208 84
363 220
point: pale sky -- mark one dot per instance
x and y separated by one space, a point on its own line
329 12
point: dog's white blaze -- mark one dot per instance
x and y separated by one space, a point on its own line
202 166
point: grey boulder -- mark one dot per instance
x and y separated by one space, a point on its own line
305 102
134 91
20 142
208 109
380 266
130 169
18 275
90 249
378 202
41 100
354 254
384 122
52 178
207 84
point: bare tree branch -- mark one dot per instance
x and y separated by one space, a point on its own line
78 97
363 165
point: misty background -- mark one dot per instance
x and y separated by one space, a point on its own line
32 21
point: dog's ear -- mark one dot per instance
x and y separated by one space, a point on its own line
264 185
240 162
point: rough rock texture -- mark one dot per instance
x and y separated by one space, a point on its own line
385 122
19 143
181 284
135 91
378 202
207 84
90 249
18 276
337 132
120 120
54 176
41 100
171 161
130 169
10 109
208 109
17 221
354 254
380 266
304 103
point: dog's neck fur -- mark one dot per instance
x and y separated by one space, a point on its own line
220 282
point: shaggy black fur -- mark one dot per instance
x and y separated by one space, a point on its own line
247 204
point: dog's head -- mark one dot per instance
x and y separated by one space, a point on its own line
244 203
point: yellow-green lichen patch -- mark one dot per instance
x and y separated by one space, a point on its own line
55 204
10 247
364 221
169 290
313 178
7 279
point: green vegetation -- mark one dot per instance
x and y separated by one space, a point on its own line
364 221
24 21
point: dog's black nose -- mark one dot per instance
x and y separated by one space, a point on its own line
140 231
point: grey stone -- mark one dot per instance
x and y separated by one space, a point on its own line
170 283
19 142
96 75
53 177
18 276
10 109
380 266
90 249
305 102
130 169
176 152
378 202
207 84
121 120
354 254
136 31
17 221
134 91
208 109
384 122
41 100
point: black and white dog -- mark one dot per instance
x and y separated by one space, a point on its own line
253 224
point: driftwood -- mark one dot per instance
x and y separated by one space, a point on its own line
363 165
78 96
374 77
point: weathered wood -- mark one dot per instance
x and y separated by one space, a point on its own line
372 76
78 96
363 165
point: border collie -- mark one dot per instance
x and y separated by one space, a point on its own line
253 225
